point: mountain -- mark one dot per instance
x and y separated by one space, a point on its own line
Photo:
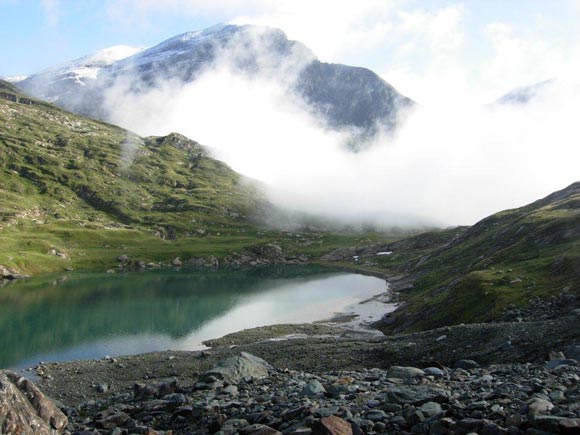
84 194
508 262
526 94
552 90
69 184
67 84
342 97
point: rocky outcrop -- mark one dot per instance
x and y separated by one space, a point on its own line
9 273
256 255
259 255
25 410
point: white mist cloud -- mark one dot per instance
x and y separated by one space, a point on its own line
447 165
452 162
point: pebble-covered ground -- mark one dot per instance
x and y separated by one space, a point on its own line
498 399
513 377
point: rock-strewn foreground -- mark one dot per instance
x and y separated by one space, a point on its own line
520 377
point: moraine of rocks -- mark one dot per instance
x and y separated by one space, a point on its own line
516 378
246 395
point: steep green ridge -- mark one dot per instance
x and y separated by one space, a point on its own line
77 193
508 258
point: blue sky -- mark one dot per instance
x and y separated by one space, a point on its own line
491 45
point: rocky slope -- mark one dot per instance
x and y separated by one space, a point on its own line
343 97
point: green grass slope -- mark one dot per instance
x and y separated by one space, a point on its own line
78 193
508 258
74 191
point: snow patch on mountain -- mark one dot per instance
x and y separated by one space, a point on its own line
88 67
14 79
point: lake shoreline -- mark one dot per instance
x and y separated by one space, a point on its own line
272 296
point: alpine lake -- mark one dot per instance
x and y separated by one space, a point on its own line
82 315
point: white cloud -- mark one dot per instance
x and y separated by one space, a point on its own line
450 164
453 162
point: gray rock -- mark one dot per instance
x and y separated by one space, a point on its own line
538 406
375 415
231 390
430 409
417 395
405 372
414 417
434 371
336 390
313 388
466 364
551 365
234 369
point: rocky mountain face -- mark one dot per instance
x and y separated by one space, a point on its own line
342 97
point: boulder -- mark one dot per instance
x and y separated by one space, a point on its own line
538 406
24 409
416 395
332 426
466 364
313 388
405 372
430 409
234 369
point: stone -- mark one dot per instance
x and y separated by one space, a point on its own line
331 426
466 364
234 369
555 363
232 390
24 409
375 415
398 372
112 421
414 417
538 406
430 409
434 371
336 390
392 407
312 388
416 395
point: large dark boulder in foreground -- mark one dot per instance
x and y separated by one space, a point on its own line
25 410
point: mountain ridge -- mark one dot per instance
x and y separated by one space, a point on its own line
352 99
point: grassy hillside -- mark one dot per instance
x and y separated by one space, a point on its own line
77 193
508 258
